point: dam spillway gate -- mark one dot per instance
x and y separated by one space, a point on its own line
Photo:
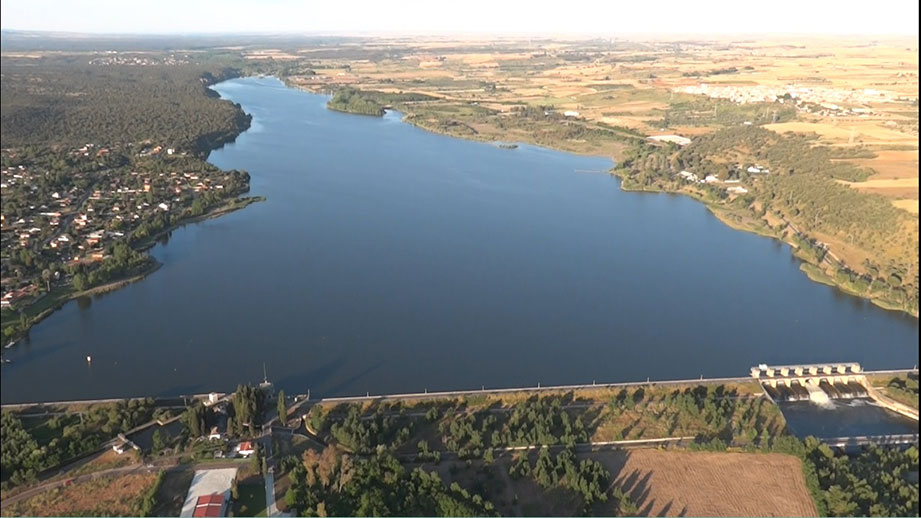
815 382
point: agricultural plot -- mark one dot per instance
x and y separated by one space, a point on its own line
681 483
106 496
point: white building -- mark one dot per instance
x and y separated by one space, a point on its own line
674 139
689 176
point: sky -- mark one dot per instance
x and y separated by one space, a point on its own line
610 17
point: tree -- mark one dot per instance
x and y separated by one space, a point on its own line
488 456
158 443
257 458
46 275
80 282
282 408
195 420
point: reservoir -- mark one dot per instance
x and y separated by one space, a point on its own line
389 259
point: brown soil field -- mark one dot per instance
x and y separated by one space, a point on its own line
892 164
893 183
682 483
899 188
909 205
868 132
899 193
115 496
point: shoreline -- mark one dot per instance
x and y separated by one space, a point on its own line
66 295
815 274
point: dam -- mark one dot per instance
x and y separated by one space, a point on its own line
836 403
819 383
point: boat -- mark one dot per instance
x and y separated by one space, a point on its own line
89 359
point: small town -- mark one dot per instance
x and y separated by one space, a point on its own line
64 214
813 99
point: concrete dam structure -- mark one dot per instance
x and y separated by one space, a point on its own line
819 383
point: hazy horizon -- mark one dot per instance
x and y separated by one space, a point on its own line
477 18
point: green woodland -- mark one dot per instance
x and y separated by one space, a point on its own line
374 103
33 445
65 101
435 458
474 435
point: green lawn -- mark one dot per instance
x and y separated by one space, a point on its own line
252 498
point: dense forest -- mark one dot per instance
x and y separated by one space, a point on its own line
63 101
878 481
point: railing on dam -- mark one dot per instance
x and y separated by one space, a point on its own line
892 440
806 370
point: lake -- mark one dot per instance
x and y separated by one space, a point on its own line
389 259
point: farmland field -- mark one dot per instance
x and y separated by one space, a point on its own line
681 483
106 496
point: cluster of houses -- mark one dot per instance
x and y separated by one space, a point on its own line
732 185
11 297
114 58
815 99
75 223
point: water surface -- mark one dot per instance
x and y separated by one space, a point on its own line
844 418
390 259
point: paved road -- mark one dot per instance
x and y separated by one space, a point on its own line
270 508
583 447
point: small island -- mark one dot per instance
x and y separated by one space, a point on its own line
351 100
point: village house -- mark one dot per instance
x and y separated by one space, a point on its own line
245 449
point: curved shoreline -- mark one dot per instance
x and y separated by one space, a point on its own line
717 210
68 294
812 271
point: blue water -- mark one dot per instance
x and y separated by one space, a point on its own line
390 259
844 418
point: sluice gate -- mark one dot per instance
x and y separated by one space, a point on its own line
816 382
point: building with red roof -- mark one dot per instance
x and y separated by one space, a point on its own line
210 505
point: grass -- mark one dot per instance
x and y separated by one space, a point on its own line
902 388
252 498
108 496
